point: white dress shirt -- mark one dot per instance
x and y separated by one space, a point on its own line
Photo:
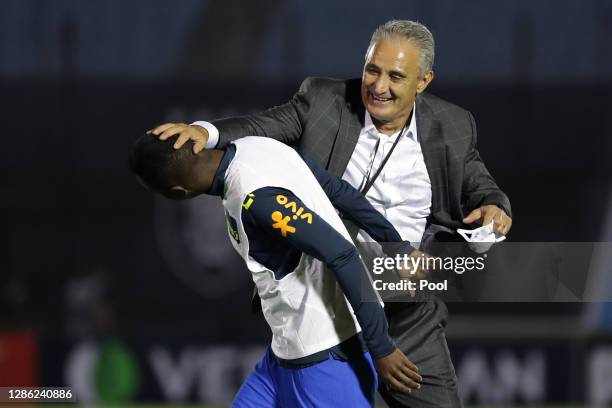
402 191
213 133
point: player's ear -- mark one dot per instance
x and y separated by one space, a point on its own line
178 193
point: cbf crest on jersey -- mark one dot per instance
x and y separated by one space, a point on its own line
232 227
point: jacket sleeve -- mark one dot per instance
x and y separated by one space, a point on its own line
479 187
283 122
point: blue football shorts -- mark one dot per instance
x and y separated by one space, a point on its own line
331 383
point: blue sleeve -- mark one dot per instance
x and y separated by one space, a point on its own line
355 207
283 215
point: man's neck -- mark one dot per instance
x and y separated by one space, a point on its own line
392 127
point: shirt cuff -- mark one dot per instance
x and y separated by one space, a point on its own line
213 133
382 348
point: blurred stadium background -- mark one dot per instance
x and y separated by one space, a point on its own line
130 299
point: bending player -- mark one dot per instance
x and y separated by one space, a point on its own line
281 221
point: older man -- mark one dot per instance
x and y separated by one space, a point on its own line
413 156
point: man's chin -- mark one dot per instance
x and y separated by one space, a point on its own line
378 114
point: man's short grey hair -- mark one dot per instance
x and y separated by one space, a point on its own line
412 31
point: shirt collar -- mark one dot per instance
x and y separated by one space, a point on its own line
218 185
368 126
411 132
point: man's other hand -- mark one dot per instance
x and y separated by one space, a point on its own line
185 132
416 270
416 267
487 213
398 372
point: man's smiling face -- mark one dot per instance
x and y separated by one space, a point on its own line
391 79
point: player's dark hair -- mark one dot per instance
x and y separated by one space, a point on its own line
158 163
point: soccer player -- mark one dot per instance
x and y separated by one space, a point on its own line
304 265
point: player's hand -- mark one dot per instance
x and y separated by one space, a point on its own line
398 372
417 270
185 132
487 213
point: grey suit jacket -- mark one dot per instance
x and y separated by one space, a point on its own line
323 121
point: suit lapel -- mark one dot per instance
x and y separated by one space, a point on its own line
351 122
434 154
430 139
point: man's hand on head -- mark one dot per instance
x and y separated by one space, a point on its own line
185 132
487 213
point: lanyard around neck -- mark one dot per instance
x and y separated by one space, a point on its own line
370 182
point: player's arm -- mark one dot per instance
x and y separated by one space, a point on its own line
354 206
283 123
284 216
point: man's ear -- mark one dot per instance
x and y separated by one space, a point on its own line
423 82
180 190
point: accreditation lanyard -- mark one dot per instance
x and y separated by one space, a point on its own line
370 182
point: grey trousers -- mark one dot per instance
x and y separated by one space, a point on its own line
418 330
